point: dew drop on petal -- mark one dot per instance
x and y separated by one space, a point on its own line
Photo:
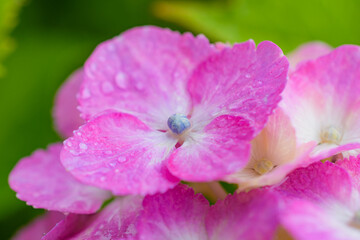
83 146
121 159
85 93
107 87
73 152
121 80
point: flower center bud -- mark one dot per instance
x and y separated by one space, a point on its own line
330 135
263 166
178 123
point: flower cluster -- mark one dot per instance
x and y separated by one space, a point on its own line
152 107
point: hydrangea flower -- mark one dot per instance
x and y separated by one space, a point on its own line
177 214
162 106
274 154
323 201
322 102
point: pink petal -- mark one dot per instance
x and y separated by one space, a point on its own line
308 51
39 227
320 91
116 221
176 214
143 72
117 151
65 112
252 215
319 182
223 147
320 203
242 80
42 182
305 220
352 166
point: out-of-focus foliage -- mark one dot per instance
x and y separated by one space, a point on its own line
8 19
53 38
287 23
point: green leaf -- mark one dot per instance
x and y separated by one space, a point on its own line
8 19
287 23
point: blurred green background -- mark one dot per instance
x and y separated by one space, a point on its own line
49 39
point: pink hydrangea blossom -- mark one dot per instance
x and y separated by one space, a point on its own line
321 99
162 106
274 154
177 214
323 201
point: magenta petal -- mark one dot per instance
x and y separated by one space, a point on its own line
305 220
352 166
42 182
321 203
318 182
242 80
308 51
143 72
65 112
176 214
118 152
252 215
223 147
39 227
115 221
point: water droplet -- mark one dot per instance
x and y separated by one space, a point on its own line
121 80
247 75
74 152
107 87
117 170
83 146
111 47
68 143
85 93
93 67
121 159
